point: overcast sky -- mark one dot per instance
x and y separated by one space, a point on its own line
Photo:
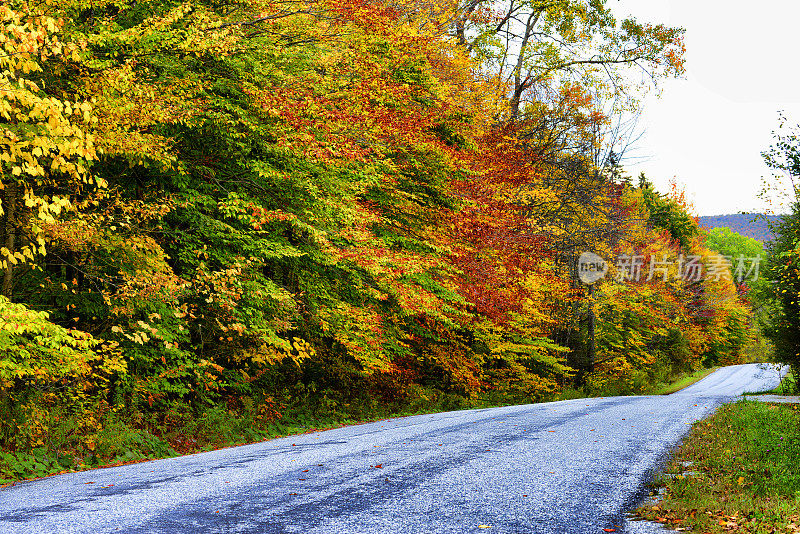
708 130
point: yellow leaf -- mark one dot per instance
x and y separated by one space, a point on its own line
16 171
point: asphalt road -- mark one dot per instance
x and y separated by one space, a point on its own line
563 467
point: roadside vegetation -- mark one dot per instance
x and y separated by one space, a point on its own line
735 472
788 386
682 381
223 221
781 296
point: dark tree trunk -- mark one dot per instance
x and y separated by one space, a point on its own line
10 230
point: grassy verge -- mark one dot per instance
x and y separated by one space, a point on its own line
681 382
737 471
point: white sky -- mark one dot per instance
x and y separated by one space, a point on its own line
708 130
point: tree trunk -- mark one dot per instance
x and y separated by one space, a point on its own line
590 356
10 206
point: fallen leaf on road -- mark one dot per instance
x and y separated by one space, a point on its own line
305 470
609 530
484 526
379 466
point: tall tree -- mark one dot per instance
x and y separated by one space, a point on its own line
44 134
783 265
533 47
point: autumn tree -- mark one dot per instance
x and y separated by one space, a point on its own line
783 269
47 142
534 47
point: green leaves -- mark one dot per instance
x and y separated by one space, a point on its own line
38 351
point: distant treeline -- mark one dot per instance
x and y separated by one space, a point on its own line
750 225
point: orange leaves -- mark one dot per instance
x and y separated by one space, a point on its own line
373 91
499 245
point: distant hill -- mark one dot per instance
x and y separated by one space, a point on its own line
741 224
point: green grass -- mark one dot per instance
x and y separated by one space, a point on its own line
681 382
742 473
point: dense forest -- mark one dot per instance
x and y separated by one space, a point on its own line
221 219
